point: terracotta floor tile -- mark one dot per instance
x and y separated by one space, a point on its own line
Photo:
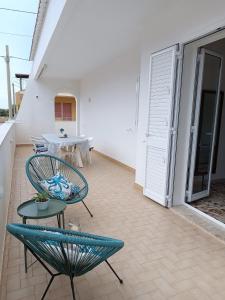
164 257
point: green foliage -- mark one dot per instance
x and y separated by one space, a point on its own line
41 197
4 112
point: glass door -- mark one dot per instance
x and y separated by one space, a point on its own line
204 127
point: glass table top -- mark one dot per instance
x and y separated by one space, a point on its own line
29 209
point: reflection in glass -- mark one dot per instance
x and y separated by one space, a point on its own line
210 82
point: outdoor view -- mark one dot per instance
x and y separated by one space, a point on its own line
17 21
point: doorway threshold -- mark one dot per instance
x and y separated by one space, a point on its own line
201 220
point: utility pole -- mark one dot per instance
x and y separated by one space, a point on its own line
14 102
7 60
21 85
21 77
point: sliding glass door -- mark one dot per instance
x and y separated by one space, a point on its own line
203 130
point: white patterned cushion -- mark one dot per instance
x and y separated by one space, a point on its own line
57 186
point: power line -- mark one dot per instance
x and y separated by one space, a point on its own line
17 10
19 58
16 57
16 34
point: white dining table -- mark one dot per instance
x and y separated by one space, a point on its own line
55 142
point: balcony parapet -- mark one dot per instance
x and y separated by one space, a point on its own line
7 152
4 130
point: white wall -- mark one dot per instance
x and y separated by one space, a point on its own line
7 150
108 107
36 115
69 126
36 112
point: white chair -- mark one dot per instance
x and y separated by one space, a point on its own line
86 149
71 153
77 156
40 145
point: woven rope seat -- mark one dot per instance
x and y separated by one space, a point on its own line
69 252
43 166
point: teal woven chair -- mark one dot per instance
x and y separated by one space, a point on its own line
69 252
44 166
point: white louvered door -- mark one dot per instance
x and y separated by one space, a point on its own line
161 131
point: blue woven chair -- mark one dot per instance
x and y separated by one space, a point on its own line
43 166
69 252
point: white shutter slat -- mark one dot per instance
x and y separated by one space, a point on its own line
160 113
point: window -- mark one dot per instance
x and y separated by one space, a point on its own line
65 109
58 111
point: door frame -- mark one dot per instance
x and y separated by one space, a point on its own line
183 143
197 99
175 124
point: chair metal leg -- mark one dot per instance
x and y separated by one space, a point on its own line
25 250
87 209
48 286
72 287
120 280
43 264
25 259
47 269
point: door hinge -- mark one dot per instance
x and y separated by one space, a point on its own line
168 201
179 54
199 57
193 129
187 194
173 131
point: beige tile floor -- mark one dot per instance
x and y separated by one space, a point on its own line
164 256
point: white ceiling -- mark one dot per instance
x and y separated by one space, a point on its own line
93 32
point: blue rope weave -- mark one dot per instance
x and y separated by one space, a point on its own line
43 166
69 252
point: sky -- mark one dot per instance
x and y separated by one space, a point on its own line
16 23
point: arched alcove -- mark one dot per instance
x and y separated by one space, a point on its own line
65 109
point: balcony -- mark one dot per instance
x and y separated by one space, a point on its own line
165 257
100 69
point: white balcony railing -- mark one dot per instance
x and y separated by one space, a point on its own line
7 152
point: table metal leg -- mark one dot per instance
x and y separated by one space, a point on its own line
25 250
59 220
61 223
63 220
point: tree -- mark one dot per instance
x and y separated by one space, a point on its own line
4 112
